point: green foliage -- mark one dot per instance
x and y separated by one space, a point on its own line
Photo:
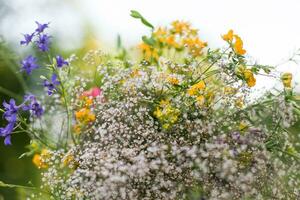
137 15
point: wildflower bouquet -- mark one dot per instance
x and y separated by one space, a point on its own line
177 122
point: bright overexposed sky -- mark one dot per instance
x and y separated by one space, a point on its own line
270 28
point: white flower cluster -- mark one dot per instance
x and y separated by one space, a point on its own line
127 153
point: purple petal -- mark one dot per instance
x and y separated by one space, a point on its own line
7 140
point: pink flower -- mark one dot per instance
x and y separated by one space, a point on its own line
93 92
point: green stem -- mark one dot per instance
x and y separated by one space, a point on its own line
9 93
2 184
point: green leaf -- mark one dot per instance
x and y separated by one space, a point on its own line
137 15
119 42
149 41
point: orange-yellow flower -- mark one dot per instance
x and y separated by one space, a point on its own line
85 115
180 27
160 34
149 52
228 36
286 79
195 45
238 46
200 100
38 159
173 80
249 77
195 88
170 40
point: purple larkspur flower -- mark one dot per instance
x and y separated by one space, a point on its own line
11 110
10 114
41 27
51 85
60 61
27 39
6 132
43 42
29 64
31 104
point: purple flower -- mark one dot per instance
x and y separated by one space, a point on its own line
41 27
50 85
29 64
6 132
10 114
7 140
33 106
60 61
11 111
43 42
27 39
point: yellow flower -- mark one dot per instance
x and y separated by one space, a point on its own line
166 114
249 77
38 159
67 159
170 40
228 36
85 115
200 100
157 113
77 128
160 34
286 79
164 102
238 46
173 80
195 88
149 52
180 27
243 126
230 90
239 102
195 46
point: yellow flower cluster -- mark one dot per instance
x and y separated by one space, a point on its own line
173 80
194 89
84 116
197 90
247 75
39 157
235 41
179 37
166 114
148 51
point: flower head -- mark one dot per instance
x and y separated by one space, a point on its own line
27 39
195 88
11 110
228 36
238 46
94 92
250 79
33 106
60 62
41 27
51 85
43 42
286 79
10 114
29 64
6 132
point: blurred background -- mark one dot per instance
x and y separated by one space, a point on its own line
270 30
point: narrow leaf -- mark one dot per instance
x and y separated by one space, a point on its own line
137 15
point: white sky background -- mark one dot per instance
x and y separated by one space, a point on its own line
270 28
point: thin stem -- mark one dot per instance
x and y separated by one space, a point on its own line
9 93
